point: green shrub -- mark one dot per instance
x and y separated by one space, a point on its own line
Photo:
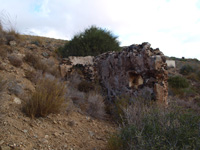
184 93
92 41
49 97
186 70
120 103
163 129
178 82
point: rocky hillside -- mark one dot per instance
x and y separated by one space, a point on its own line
23 61
86 121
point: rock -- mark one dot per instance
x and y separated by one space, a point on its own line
17 100
91 133
171 63
46 141
65 146
45 54
25 131
71 123
5 148
15 88
132 71
56 134
12 43
1 142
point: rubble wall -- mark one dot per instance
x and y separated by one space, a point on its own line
136 69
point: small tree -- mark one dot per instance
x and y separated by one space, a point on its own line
92 41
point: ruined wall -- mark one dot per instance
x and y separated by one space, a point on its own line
68 64
135 69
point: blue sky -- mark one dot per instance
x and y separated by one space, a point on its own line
171 25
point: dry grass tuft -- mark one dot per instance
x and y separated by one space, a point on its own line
33 75
35 61
96 106
49 97
37 40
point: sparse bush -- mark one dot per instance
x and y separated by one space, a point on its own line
193 76
15 61
92 41
37 40
85 86
31 59
35 61
159 128
186 70
2 67
54 70
38 64
49 97
117 108
33 75
179 86
96 107
178 82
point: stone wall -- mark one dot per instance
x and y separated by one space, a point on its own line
134 70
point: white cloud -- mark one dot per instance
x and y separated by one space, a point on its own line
173 25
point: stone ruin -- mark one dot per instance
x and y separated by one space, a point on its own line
134 70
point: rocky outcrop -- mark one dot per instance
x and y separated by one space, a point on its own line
134 70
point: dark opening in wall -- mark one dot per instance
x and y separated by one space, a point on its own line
135 80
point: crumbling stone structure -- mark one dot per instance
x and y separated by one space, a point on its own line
135 69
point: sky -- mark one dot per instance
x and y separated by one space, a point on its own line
173 26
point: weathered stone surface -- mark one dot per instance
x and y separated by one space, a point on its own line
12 43
86 63
171 63
17 100
133 69
45 54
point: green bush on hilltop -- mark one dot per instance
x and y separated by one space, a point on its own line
92 41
